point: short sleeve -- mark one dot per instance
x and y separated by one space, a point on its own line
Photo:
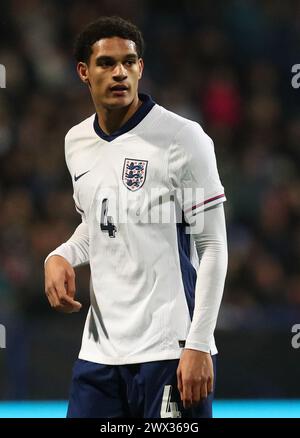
77 207
193 171
68 163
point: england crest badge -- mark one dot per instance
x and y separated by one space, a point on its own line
134 173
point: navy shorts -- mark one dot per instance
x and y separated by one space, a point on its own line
144 390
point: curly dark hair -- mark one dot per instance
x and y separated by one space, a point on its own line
106 27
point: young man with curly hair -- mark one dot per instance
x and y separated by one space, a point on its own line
148 347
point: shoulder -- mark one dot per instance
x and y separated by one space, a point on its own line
78 142
183 131
188 140
83 128
175 121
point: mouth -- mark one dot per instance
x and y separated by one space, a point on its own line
119 89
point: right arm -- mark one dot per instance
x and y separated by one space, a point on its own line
59 264
59 273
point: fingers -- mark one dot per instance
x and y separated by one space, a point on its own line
69 308
68 304
58 296
203 391
179 380
52 297
192 393
210 385
195 377
197 393
70 283
187 398
62 303
60 285
179 383
184 390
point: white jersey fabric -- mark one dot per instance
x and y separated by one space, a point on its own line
128 189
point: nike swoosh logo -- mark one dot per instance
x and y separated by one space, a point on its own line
76 178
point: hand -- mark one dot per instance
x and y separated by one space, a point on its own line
60 285
195 377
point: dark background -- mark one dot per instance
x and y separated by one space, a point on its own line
226 64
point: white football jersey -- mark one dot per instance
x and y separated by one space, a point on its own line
127 187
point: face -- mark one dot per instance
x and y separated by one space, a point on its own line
113 72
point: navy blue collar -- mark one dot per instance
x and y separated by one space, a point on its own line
134 120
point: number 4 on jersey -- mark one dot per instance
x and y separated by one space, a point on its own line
169 409
106 223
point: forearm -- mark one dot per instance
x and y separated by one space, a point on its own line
211 247
76 249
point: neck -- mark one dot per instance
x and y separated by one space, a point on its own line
112 119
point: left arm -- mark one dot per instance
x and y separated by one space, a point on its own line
195 370
193 172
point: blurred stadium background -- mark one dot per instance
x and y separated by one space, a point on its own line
226 64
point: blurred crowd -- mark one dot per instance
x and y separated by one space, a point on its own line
224 64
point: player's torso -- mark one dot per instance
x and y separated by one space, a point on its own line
123 190
121 177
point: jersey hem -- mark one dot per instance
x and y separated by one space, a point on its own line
106 360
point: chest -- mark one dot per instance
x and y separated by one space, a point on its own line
130 175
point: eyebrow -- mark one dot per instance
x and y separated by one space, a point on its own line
110 58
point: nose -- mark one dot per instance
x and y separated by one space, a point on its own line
119 73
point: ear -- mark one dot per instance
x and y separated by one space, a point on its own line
141 67
83 72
